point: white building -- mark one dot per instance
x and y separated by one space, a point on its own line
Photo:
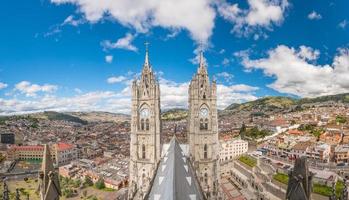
230 149
65 153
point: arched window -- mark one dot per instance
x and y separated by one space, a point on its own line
144 114
205 151
147 124
204 114
205 178
143 151
142 124
202 124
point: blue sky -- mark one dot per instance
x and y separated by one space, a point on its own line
75 55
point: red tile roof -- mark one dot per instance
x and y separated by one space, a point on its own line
64 146
61 147
279 122
30 148
295 132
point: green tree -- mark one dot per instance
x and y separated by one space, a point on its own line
88 181
68 193
84 193
341 119
242 131
100 184
76 183
317 132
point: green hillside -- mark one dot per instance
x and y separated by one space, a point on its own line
51 115
283 103
174 114
266 103
344 98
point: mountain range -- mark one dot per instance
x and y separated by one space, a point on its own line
265 105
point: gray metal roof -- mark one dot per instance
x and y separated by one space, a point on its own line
175 179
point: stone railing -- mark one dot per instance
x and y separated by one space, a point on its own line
241 168
274 190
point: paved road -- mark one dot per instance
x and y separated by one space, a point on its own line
316 165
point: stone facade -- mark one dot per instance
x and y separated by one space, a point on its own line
146 127
230 149
203 131
62 153
145 132
49 187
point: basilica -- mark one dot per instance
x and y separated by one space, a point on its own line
168 171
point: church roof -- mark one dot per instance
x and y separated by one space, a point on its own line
202 65
146 65
49 186
175 178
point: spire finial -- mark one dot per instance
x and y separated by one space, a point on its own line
202 68
201 51
146 62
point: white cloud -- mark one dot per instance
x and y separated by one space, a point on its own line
228 94
314 16
116 79
121 43
343 24
195 16
29 89
261 14
227 76
57 28
53 31
225 62
308 53
295 73
172 34
72 21
173 95
92 101
242 88
78 90
196 51
109 58
3 85
265 12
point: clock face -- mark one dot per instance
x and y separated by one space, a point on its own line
203 112
144 113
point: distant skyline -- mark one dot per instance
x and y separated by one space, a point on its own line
81 55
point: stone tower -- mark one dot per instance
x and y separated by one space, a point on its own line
203 130
300 184
145 131
49 187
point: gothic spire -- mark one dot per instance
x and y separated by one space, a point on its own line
202 65
201 59
46 167
47 164
6 192
146 60
49 183
18 197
